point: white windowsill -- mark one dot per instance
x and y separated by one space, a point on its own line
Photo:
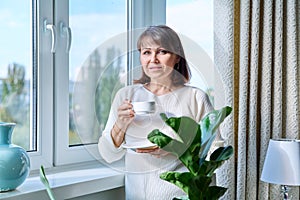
68 182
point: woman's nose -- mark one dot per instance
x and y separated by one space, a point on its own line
153 58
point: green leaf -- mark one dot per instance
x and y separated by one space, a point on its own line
181 180
187 150
189 132
222 153
163 116
217 158
209 125
159 138
198 187
45 181
215 192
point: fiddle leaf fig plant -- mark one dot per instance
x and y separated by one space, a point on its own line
192 147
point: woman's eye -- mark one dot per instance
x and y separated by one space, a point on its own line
162 51
146 52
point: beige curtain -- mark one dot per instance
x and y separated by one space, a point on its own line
257 55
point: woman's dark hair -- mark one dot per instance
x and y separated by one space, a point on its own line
169 40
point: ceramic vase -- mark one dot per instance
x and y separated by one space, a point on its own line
14 160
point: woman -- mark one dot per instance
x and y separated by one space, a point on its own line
165 73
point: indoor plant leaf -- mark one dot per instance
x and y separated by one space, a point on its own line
215 192
180 179
188 148
222 153
209 125
45 181
159 138
216 160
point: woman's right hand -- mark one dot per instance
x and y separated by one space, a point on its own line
125 115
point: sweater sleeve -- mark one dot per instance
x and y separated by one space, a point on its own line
203 103
106 147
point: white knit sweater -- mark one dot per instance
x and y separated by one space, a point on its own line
142 180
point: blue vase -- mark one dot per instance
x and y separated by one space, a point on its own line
14 160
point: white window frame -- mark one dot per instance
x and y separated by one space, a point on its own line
143 13
63 154
44 130
53 82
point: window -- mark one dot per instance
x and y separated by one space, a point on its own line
16 71
95 65
86 73
195 24
62 62
37 87
98 65
24 88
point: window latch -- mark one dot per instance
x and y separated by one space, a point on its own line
52 29
66 32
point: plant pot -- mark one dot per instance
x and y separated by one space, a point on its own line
14 160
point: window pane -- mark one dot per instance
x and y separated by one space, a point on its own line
16 69
95 69
196 23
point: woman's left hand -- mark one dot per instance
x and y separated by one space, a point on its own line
156 151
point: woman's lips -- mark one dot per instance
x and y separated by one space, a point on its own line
155 67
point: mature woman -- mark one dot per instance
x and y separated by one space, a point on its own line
164 80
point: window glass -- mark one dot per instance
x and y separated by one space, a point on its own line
194 20
96 66
16 70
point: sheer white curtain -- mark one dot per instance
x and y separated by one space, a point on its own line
257 55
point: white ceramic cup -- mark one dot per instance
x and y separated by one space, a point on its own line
143 107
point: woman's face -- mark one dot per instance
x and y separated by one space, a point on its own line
157 62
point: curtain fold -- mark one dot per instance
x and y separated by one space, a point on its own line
257 56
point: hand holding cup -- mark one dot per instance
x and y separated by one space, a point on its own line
143 107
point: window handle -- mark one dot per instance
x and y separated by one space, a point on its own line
66 32
52 29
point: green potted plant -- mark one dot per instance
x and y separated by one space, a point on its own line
192 148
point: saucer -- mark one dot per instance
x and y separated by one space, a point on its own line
143 113
139 145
